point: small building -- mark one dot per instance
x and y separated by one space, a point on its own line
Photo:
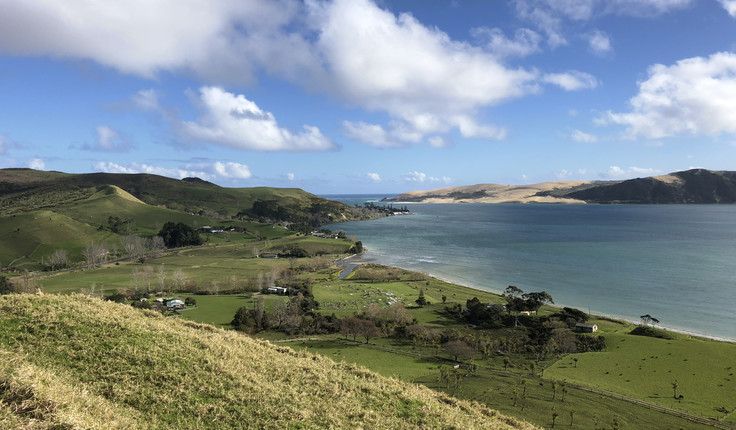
277 290
586 328
269 256
175 304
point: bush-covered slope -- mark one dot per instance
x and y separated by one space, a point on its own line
78 362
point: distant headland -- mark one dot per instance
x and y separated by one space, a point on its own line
696 186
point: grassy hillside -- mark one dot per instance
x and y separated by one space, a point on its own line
26 238
102 365
26 189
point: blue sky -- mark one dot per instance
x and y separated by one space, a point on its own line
364 96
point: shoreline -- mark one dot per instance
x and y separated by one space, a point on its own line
359 259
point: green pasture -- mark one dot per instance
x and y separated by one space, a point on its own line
534 397
646 368
219 310
217 267
383 362
28 237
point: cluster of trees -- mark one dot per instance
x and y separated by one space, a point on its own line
375 321
96 254
301 216
116 225
519 301
541 335
295 315
178 234
137 247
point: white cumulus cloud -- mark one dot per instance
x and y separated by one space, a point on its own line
290 176
551 16
207 171
37 164
232 170
395 64
730 6
234 121
524 42
616 172
375 177
580 136
371 134
572 81
147 100
599 42
695 96
144 37
108 140
421 177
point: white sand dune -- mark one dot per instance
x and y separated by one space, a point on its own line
493 193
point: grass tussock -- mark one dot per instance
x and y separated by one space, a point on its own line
78 362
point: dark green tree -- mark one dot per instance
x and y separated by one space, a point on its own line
421 301
244 321
5 286
534 301
179 234
514 302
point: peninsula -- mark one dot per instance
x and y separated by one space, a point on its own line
697 186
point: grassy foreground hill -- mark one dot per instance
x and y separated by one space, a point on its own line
78 362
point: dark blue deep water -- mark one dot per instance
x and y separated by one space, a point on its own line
674 262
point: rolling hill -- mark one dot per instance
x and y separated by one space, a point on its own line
97 364
41 212
26 189
698 186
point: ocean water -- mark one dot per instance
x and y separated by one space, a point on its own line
674 262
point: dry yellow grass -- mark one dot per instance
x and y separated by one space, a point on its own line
78 362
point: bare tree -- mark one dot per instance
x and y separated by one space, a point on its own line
146 275
155 245
59 259
95 255
179 278
132 245
137 277
161 275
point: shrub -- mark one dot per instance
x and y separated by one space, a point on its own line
651 332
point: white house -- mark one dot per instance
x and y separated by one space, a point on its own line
175 304
586 328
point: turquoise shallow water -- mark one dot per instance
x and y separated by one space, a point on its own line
674 262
